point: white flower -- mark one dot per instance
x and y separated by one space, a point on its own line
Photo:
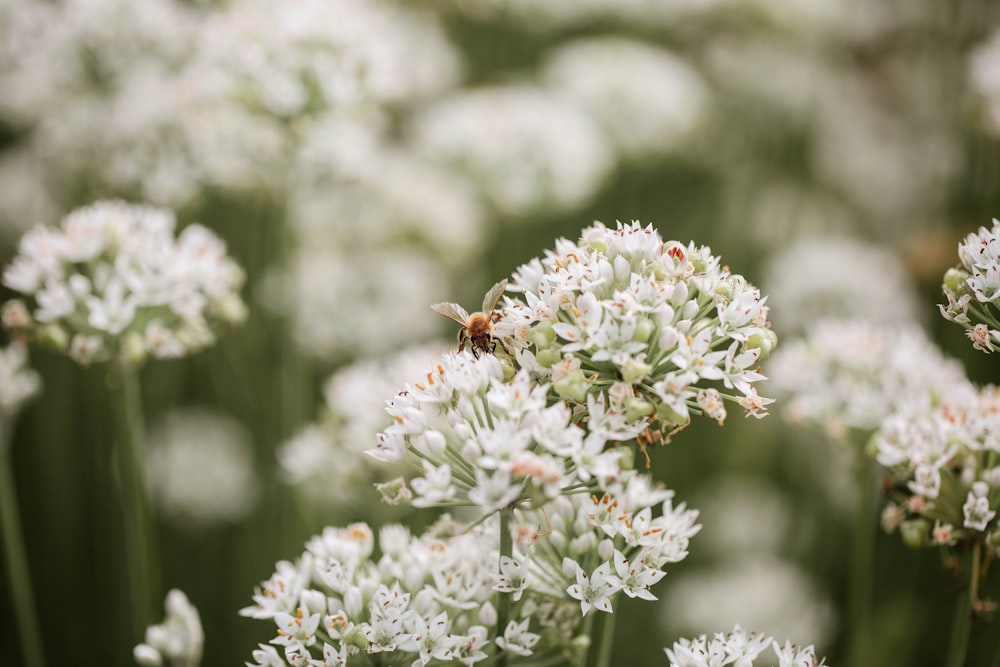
513 578
737 648
596 590
541 151
18 382
516 638
645 99
179 639
977 507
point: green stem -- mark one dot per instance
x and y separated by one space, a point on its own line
599 654
959 642
140 537
863 566
503 599
17 561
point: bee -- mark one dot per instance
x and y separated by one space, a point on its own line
477 328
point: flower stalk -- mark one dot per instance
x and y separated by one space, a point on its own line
863 564
16 559
958 645
140 540
503 599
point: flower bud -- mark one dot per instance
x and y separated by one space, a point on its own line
133 351
573 386
606 549
488 614
542 335
915 532
635 370
644 330
548 358
147 656
671 416
636 408
954 280
230 309
394 492
54 336
764 340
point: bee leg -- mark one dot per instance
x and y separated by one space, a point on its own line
497 341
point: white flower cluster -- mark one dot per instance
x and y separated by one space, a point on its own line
112 282
837 278
424 598
846 375
178 641
946 482
18 382
973 288
200 468
739 648
642 332
646 100
481 441
525 147
434 596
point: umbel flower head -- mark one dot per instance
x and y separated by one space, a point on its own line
112 282
943 468
434 596
647 331
739 648
973 288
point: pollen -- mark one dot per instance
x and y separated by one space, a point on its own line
420 386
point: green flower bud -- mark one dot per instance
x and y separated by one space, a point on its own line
356 638
954 280
636 408
579 646
548 358
634 371
395 491
54 336
230 309
765 340
915 532
644 330
626 458
507 366
542 335
671 416
573 386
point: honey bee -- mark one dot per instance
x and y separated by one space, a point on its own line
477 328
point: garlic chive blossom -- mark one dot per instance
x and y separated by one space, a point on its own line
973 288
112 281
642 332
477 440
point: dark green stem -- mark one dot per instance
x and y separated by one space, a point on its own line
863 565
17 561
140 537
503 599
959 643
599 653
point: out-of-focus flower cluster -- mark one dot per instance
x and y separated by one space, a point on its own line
740 648
18 382
178 641
641 331
848 376
112 281
973 288
200 468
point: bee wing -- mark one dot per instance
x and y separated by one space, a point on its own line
493 296
452 311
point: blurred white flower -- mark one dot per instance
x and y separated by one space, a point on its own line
984 79
178 640
765 592
743 515
18 382
854 374
358 302
837 278
526 149
201 468
739 648
26 199
645 99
